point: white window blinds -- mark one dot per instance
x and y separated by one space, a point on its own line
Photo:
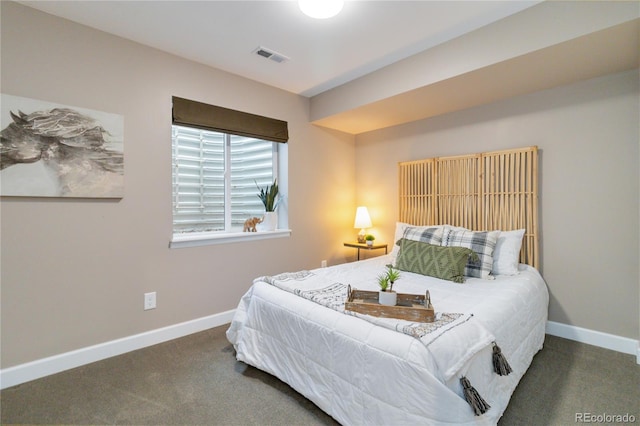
214 179
252 162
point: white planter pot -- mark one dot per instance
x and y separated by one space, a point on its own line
369 242
388 298
270 221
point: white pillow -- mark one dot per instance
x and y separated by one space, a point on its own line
506 255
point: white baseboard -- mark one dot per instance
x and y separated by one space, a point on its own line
595 338
55 364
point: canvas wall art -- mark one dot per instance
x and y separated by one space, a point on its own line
53 150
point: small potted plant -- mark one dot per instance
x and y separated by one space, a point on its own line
393 275
369 239
269 198
387 296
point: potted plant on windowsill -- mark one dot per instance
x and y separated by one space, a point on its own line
369 239
387 296
270 199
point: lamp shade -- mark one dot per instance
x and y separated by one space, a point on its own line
363 220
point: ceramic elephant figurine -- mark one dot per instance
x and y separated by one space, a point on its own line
250 224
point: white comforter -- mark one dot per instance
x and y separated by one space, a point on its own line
362 373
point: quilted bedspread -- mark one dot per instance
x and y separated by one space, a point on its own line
367 370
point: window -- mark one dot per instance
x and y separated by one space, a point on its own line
214 179
216 170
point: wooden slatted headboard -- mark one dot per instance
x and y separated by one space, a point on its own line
486 191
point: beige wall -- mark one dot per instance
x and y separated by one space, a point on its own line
74 271
588 138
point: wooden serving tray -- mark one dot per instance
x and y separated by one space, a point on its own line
410 307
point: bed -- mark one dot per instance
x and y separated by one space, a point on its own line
364 370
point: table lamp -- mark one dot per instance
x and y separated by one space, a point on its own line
363 220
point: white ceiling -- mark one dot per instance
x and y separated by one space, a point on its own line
364 37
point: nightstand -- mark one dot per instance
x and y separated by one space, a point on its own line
364 246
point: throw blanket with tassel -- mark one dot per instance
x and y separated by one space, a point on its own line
452 339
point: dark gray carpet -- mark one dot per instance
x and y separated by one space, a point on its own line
196 380
568 379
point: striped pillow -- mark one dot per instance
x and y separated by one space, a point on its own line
430 234
482 243
424 234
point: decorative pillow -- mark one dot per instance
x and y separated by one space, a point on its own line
400 227
482 243
447 263
424 234
429 234
506 255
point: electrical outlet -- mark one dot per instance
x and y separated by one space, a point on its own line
149 301
323 264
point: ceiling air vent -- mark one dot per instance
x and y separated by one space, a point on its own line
270 54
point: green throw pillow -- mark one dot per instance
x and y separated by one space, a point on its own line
447 263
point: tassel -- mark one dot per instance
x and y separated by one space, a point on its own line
500 364
474 399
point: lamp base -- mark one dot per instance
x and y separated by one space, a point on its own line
361 236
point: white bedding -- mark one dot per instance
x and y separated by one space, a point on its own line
361 373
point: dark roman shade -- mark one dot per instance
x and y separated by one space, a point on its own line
211 117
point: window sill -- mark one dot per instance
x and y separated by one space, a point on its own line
205 238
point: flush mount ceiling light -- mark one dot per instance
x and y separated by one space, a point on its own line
321 9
